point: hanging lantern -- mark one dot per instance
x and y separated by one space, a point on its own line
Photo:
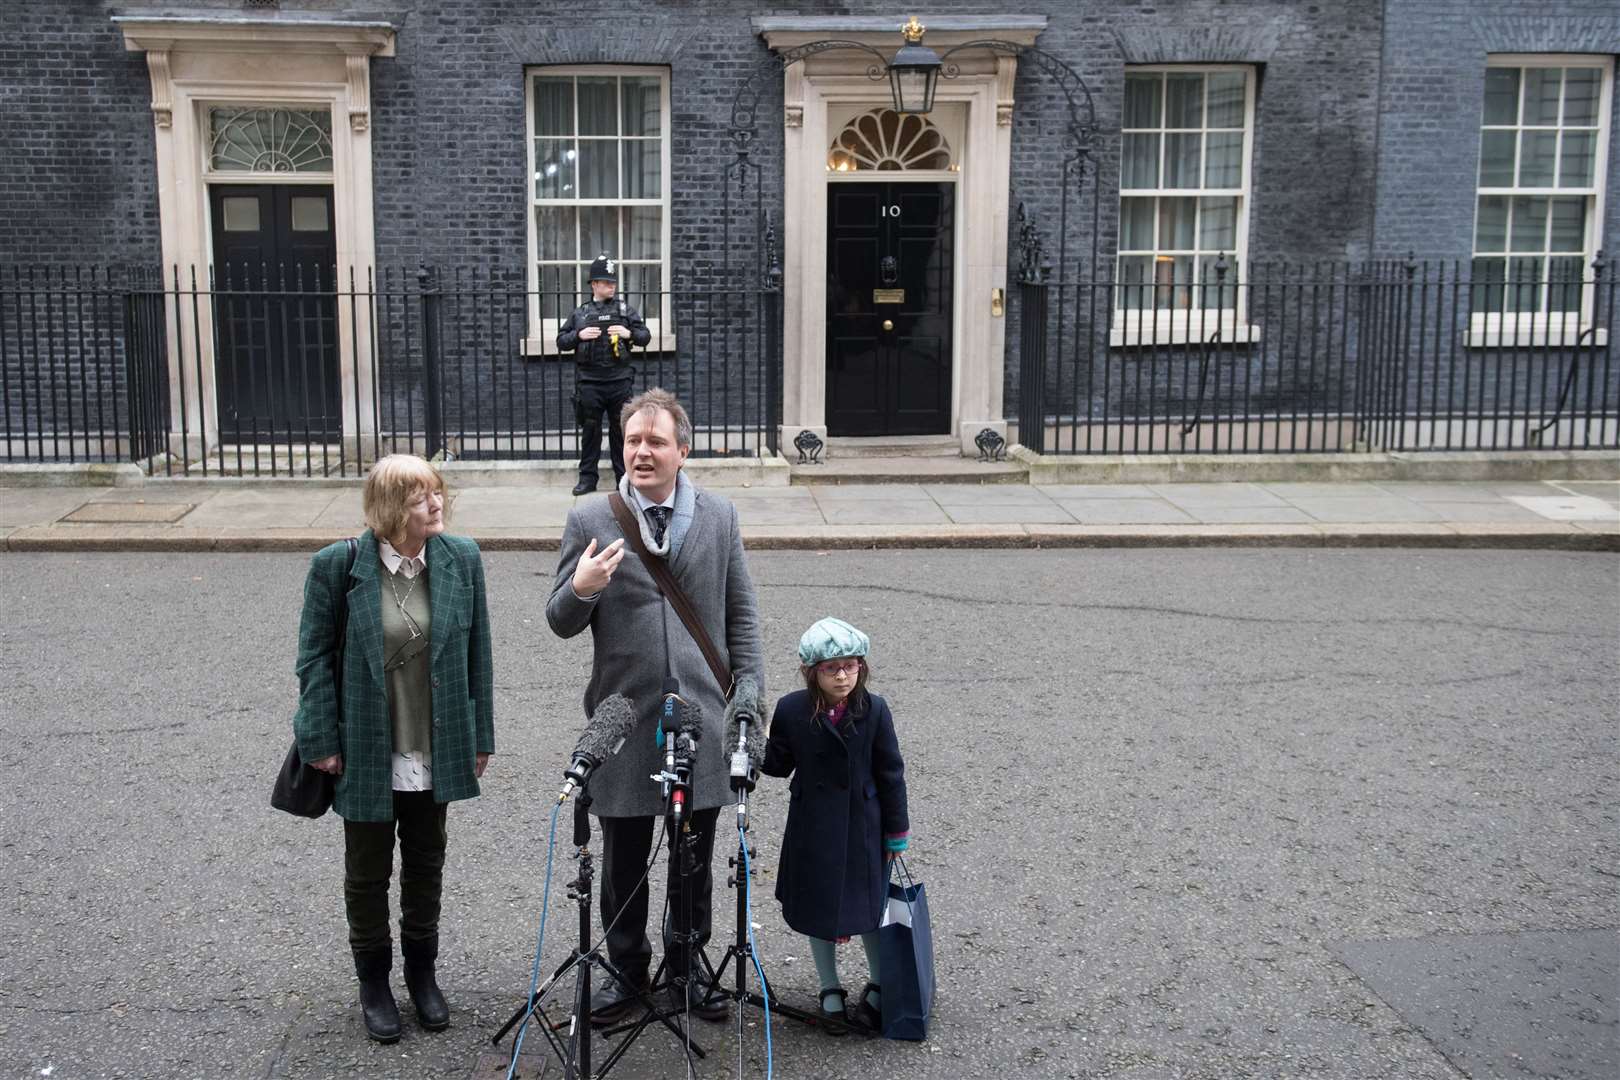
914 72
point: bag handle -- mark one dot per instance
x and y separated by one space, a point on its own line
899 863
671 591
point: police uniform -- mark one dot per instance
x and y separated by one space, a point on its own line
604 377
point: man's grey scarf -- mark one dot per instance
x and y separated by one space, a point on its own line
679 522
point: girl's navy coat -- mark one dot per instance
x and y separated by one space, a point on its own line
844 798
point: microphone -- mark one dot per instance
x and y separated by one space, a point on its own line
669 726
604 734
745 734
685 741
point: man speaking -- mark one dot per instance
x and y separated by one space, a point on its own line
642 647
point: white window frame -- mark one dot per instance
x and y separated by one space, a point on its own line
1497 329
541 340
243 176
1149 327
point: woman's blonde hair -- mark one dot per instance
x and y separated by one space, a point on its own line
391 485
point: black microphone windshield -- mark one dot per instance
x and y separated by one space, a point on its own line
612 723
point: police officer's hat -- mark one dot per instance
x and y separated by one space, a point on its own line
605 269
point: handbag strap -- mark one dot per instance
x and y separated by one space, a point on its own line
671 591
343 613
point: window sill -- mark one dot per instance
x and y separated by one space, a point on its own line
1135 333
1538 337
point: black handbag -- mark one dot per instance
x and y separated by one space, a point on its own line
301 789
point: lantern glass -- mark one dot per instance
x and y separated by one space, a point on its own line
912 75
913 89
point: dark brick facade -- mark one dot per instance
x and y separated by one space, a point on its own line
1365 140
1332 178
78 177
1434 56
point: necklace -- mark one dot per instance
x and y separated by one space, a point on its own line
393 587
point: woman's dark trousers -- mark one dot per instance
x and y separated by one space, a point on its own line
368 863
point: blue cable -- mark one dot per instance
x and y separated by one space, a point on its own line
753 946
534 976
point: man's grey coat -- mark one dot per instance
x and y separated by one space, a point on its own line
630 623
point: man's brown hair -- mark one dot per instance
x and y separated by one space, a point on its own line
653 399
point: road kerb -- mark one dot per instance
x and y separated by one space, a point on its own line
1551 536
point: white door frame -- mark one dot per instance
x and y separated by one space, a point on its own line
197 62
984 86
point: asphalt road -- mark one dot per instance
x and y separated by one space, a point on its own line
1193 814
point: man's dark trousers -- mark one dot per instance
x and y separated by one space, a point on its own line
626 843
591 401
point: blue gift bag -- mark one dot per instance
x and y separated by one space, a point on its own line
906 959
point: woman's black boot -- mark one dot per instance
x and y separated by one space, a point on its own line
377 1006
432 1011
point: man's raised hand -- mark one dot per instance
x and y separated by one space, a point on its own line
594 571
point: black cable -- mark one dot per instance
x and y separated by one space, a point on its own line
556 979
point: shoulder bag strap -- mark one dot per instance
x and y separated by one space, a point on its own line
343 614
671 591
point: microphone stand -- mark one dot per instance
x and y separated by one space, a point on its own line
575 1055
741 950
675 782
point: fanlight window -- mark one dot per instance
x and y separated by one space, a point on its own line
885 141
269 140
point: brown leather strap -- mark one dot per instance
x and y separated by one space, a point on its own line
671 591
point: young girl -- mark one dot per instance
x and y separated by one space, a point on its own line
846 810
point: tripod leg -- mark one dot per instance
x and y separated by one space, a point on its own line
539 996
650 1012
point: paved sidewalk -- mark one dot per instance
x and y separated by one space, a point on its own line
292 516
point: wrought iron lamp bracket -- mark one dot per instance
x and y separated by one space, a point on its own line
1082 123
745 106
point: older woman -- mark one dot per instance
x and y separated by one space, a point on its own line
400 711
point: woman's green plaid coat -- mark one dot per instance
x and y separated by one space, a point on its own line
463 682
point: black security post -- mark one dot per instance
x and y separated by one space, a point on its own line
1033 289
432 303
772 302
1399 390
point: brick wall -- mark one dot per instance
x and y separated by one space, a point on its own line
1365 135
1434 56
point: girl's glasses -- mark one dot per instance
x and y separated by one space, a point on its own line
839 667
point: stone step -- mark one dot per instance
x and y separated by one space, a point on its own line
910 470
893 446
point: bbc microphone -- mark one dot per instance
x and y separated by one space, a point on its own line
669 725
609 726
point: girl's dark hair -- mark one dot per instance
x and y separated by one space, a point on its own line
857 696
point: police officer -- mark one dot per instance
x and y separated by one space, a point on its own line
602 332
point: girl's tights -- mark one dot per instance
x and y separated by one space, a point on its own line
825 954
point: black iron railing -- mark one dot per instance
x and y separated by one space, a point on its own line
1397 356
289 373
284 372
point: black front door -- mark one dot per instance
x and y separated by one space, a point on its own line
275 312
889 263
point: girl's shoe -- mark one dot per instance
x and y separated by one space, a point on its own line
835 1021
864 1015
